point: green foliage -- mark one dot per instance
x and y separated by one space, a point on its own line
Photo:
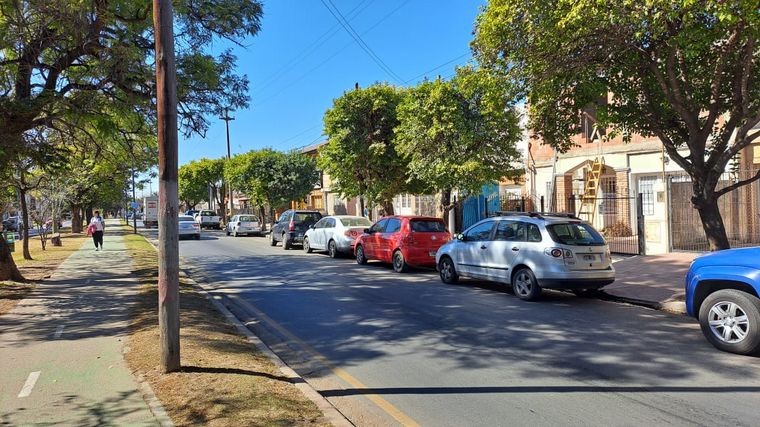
197 176
270 177
360 156
459 134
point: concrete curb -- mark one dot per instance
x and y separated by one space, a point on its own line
331 413
673 307
153 403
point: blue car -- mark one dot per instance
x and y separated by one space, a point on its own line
722 290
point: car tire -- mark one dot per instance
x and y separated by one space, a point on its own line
197 237
307 246
234 233
228 231
399 263
733 304
285 243
272 241
525 285
332 249
361 259
447 271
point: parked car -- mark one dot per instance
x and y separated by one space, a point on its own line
191 213
723 293
530 252
291 227
189 228
403 241
335 234
243 224
208 219
12 224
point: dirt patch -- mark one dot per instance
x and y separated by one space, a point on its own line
45 262
224 380
11 293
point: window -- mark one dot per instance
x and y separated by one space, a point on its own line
330 223
575 233
284 216
427 226
646 189
248 218
534 234
479 232
355 222
394 225
379 226
307 217
404 201
320 223
512 231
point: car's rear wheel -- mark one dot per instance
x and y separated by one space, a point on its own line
197 237
272 241
332 249
447 271
399 263
307 246
286 243
234 233
730 320
360 258
525 285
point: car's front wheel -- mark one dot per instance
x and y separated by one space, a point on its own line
272 241
525 285
447 271
361 259
730 320
234 233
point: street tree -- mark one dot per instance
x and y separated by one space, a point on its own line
360 156
459 134
685 72
208 174
191 190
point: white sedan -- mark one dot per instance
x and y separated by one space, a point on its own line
189 228
335 234
244 224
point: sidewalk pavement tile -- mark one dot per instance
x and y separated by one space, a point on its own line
72 330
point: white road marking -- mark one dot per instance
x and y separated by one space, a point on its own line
58 332
29 384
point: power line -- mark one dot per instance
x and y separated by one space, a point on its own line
357 38
299 134
439 66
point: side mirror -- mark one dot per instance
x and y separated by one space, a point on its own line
459 236
367 231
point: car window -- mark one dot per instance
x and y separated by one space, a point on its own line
186 219
330 223
534 234
575 233
207 213
427 226
479 232
355 222
320 223
284 216
247 218
512 231
394 225
306 218
379 227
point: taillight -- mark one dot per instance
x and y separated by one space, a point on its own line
292 226
559 253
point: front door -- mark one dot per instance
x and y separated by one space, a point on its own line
475 241
372 240
501 254
388 239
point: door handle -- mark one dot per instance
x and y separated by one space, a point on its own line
515 248
483 246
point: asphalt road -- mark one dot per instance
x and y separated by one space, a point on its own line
392 349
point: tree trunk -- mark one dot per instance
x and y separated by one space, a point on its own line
168 198
8 269
76 218
712 222
446 204
88 214
387 207
261 217
25 223
361 206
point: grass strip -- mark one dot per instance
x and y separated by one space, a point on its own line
224 380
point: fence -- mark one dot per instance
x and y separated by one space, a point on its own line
476 208
619 218
740 210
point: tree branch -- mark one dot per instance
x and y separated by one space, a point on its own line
738 184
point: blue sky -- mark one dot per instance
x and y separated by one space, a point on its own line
302 59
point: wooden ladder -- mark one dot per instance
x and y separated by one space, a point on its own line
589 199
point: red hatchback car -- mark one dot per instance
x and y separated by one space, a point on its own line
403 241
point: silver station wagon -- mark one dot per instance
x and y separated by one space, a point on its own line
530 252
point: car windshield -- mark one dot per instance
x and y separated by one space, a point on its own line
306 217
575 233
186 219
428 226
355 222
248 218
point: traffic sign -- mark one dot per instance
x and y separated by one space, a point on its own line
135 205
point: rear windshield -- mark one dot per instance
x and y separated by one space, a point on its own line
306 217
186 219
428 226
248 218
208 213
355 222
577 234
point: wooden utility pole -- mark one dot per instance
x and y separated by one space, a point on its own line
168 199
227 120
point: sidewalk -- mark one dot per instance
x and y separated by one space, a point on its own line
655 280
61 348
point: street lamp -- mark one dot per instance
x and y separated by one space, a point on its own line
227 120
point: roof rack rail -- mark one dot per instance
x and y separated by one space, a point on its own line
539 215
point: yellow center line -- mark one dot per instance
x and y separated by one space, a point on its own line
383 404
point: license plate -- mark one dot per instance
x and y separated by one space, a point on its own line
589 257
431 253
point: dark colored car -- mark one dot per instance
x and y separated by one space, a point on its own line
403 241
291 227
723 292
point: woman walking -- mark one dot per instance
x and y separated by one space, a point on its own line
98 225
